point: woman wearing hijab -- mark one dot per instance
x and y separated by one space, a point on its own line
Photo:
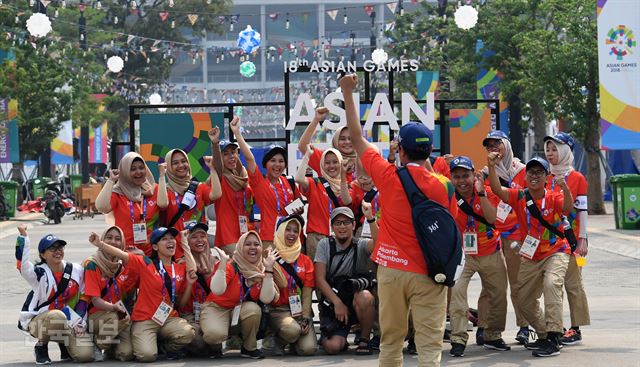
292 317
52 313
324 194
272 192
340 141
236 287
178 173
107 282
234 206
164 286
511 173
559 153
133 198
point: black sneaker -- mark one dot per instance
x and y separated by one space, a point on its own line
447 336
457 350
571 337
173 356
254 354
374 343
551 349
411 347
64 353
497 344
537 345
523 335
42 354
480 336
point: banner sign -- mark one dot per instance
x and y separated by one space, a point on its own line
62 145
488 87
468 125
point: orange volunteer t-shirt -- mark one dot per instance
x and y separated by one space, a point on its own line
303 266
234 294
510 228
320 207
126 213
397 246
441 166
314 163
488 238
551 208
271 199
229 208
152 290
69 296
94 283
578 187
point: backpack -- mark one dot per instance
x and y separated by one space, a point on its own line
437 233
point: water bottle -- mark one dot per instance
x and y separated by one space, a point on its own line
189 199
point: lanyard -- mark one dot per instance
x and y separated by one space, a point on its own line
244 295
541 214
200 293
284 191
143 214
470 219
553 182
173 282
242 201
291 282
64 295
116 290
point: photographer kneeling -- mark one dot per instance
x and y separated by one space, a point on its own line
344 282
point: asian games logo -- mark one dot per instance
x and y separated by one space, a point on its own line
621 39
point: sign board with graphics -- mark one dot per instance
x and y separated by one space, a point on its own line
619 69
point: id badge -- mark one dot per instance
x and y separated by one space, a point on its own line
197 307
366 229
139 233
295 305
244 225
470 240
235 317
162 313
503 211
529 247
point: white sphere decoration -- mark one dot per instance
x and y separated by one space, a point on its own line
155 99
379 56
115 64
39 25
466 17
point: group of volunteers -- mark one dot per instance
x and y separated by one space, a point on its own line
157 285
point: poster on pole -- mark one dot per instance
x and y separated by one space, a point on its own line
619 71
62 145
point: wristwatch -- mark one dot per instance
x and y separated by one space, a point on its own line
372 220
482 194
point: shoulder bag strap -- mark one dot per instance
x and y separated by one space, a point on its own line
535 212
468 210
62 285
167 279
291 271
330 192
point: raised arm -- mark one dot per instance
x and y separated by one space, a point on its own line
103 201
503 193
94 239
360 144
214 136
268 292
367 210
188 256
218 283
567 204
163 200
24 265
488 210
305 139
345 195
214 179
301 177
244 147
185 297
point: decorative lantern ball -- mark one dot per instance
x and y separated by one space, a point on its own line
155 99
249 40
115 64
466 17
247 69
379 56
38 25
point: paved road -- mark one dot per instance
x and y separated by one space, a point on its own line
612 278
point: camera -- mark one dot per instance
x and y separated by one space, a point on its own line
355 285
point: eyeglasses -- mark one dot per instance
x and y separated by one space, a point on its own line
339 223
56 249
495 145
536 173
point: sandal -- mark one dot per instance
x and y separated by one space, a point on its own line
363 348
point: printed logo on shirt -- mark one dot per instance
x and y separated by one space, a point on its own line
151 202
477 206
123 277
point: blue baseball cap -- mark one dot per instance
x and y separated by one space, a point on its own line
461 162
48 241
273 150
159 232
415 136
494 135
538 161
288 218
562 138
224 144
194 226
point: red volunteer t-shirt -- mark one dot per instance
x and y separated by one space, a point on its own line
122 209
551 208
578 187
230 206
198 293
357 196
304 268
271 199
441 166
234 294
314 163
94 283
488 239
397 246
320 207
152 291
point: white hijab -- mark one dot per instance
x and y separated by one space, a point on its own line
509 166
565 159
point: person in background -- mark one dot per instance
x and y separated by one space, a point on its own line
545 256
324 194
363 189
481 241
52 312
164 287
236 287
559 153
133 199
402 280
107 282
237 197
187 198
